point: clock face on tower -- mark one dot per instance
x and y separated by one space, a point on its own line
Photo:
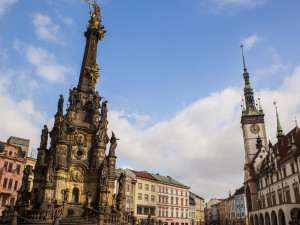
254 129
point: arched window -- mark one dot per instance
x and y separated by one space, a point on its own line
75 195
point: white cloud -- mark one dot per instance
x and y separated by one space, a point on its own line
45 28
45 62
202 145
4 4
19 118
250 41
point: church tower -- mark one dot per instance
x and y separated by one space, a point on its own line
254 134
76 175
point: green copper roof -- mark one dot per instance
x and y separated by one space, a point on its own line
248 92
280 132
168 180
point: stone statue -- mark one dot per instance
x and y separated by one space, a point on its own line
73 97
104 111
60 105
93 72
88 195
49 176
62 129
44 137
113 144
103 174
97 101
121 192
26 173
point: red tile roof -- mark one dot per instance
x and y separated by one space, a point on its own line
143 174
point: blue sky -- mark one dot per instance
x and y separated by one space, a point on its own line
171 71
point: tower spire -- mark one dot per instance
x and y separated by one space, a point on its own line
248 90
280 132
95 32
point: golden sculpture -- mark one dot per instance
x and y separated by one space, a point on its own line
93 72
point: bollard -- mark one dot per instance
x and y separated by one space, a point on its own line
15 218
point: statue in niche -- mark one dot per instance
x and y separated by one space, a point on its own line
103 174
44 137
60 105
50 168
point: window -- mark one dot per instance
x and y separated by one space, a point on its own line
12 201
5 166
297 196
159 213
153 188
146 197
163 213
10 183
176 201
284 172
75 195
292 168
9 167
273 199
18 169
16 185
146 211
152 198
139 196
152 211
3 203
176 214
128 187
280 197
182 201
167 214
277 176
4 182
147 187
172 201
140 186
139 210
159 189
172 214
288 196
131 188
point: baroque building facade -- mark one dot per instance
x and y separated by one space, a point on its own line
75 176
12 163
272 175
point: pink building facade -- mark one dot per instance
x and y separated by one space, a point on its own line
173 201
12 162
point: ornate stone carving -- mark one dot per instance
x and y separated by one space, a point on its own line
93 72
73 97
77 174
